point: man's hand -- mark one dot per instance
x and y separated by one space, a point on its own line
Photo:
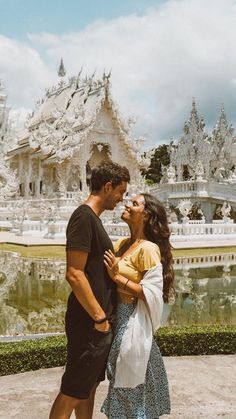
103 327
111 263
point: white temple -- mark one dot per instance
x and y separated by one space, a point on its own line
8 181
199 154
4 119
76 126
202 171
73 128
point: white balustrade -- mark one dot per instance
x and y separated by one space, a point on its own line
226 259
55 266
191 189
117 230
202 229
49 217
196 221
56 229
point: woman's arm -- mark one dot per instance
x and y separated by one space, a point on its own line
135 289
111 263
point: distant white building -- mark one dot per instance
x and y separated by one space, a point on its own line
74 128
8 181
4 120
196 151
202 168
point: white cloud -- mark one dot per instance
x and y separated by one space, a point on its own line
159 61
23 72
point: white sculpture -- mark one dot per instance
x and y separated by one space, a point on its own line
199 171
225 211
170 174
185 207
8 181
232 176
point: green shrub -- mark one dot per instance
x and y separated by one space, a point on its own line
197 340
28 355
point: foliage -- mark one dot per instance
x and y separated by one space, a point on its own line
197 340
160 158
27 355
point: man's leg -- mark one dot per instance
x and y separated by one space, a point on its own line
85 409
63 406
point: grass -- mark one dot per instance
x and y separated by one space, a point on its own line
49 252
203 251
58 252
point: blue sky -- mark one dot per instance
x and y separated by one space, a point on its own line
162 54
20 17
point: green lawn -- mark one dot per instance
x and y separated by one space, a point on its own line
203 251
58 252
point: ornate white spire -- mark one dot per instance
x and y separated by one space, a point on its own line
61 70
3 95
223 144
193 148
222 128
194 124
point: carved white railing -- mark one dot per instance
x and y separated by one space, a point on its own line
54 268
197 221
57 229
202 229
180 189
205 260
117 230
216 190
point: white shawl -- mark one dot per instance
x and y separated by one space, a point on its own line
136 343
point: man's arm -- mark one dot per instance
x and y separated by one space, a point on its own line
76 262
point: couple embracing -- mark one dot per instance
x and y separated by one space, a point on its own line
116 304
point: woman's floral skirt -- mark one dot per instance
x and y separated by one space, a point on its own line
146 401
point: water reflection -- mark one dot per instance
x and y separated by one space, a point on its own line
205 300
33 295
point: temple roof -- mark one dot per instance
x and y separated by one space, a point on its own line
67 113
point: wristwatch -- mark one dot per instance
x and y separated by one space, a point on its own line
100 321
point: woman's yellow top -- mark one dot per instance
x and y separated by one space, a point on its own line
145 256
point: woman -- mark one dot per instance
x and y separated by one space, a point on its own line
142 270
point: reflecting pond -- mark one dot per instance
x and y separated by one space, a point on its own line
33 294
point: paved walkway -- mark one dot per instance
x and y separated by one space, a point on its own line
201 387
188 242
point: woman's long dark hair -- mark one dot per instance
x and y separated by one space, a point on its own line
156 230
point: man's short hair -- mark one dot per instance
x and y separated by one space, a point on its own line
108 172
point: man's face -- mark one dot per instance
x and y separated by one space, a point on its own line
115 195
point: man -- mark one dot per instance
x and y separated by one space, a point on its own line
91 304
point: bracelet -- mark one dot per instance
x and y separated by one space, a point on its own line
126 284
100 321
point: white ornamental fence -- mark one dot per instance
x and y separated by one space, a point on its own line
226 259
193 188
197 229
57 229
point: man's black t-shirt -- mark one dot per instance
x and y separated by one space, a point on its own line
85 232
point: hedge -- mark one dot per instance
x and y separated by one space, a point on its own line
28 355
197 340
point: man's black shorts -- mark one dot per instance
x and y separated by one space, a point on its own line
87 352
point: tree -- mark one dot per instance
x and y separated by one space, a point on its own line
161 157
